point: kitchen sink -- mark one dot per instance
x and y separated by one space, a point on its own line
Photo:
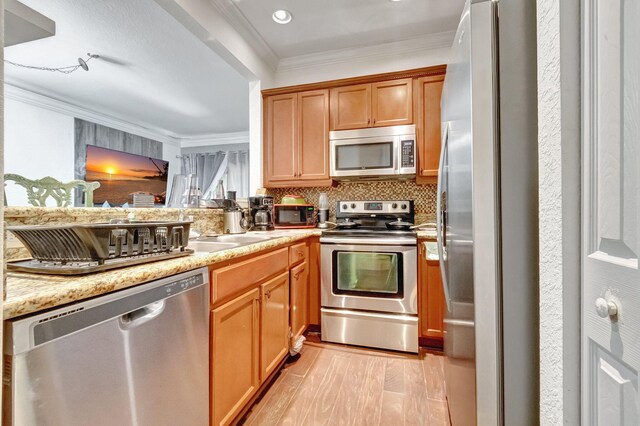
240 238
223 242
205 246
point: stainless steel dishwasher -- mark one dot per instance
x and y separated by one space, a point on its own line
138 356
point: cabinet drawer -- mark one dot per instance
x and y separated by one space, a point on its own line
298 253
238 277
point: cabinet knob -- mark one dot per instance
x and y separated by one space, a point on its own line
368 121
268 294
606 308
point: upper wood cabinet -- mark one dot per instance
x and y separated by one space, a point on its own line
281 136
313 135
296 139
386 103
427 93
351 107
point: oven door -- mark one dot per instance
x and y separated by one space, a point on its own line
381 278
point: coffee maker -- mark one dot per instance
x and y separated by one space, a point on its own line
261 210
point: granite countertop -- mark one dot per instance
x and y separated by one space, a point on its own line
426 234
30 293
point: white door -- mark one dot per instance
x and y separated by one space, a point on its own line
611 220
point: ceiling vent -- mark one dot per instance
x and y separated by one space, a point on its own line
23 24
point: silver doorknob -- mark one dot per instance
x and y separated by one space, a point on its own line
606 308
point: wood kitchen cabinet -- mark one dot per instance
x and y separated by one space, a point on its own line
249 329
299 281
235 355
314 281
431 302
281 137
296 139
427 93
385 103
274 324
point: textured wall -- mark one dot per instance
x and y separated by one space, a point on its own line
423 195
559 209
550 184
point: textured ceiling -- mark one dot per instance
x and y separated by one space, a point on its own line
152 72
322 25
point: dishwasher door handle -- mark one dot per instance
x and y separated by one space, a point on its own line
140 316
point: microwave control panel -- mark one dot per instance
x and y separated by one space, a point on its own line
408 153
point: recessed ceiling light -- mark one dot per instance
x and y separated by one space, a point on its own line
394 1
282 16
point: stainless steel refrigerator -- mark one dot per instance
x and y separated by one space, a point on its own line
486 215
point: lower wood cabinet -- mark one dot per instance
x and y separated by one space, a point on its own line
314 281
431 302
235 356
251 333
274 324
299 317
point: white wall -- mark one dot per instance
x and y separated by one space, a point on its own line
559 209
38 143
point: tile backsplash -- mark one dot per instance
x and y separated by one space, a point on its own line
423 195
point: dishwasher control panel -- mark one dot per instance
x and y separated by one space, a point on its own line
184 284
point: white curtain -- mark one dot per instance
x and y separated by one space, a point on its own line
209 168
238 173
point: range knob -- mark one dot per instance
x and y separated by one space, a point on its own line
394 205
403 207
353 205
344 207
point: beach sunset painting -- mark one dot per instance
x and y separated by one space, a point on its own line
121 174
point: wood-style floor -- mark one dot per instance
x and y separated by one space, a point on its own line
343 385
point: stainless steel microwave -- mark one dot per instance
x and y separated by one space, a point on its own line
380 152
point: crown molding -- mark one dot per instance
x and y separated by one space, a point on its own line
68 108
215 139
412 46
232 14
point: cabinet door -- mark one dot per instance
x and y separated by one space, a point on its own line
313 133
428 91
392 103
435 301
274 320
299 281
314 280
234 356
351 107
431 304
281 136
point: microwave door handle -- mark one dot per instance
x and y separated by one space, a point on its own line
441 218
397 149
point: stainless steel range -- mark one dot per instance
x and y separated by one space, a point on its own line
369 276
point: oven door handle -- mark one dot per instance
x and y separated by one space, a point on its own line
355 241
441 217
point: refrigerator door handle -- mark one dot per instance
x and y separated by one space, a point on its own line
441 221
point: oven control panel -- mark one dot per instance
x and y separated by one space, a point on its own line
375 207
